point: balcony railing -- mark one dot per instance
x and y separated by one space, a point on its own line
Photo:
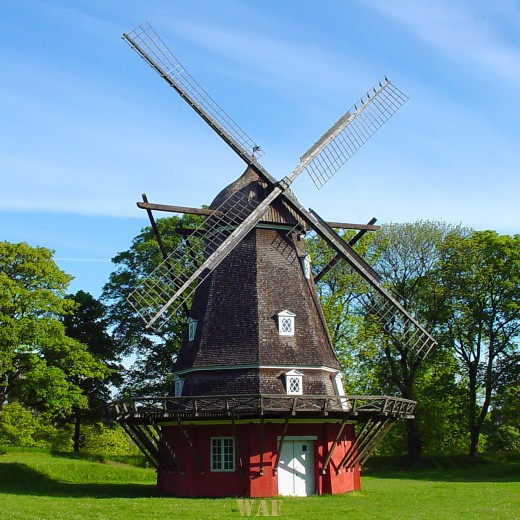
162 409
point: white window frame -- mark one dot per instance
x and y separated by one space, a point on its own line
218 462
286 323
291 378
306 266
192 328
178 385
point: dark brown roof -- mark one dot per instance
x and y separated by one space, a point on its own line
251 184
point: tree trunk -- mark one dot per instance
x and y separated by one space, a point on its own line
4 389
414 444
3 397
473 443
474 430
77 433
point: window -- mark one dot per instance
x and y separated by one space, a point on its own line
294 382
178 384
306 266
286 323
222 454
192 328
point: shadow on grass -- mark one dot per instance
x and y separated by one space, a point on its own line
446 469
20 479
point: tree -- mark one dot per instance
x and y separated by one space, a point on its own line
407 256
154 350
89 325
481 279
38 361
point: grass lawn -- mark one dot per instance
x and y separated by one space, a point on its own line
35 485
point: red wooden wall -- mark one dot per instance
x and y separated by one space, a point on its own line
251 483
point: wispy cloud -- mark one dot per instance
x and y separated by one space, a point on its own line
271 60
470 31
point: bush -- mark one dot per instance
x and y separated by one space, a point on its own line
107 440
22 427
17 425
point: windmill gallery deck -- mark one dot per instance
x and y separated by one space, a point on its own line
258 407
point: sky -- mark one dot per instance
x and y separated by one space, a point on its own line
86 126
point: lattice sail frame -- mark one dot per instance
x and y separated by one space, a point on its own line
154 294
356 126
147 43
237 214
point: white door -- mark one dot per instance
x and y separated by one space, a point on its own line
296 469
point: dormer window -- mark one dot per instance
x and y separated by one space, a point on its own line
192 328
178 384
286 323
306 266
294 382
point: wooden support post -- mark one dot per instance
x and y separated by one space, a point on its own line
145 441
168 451
280 445
207 212
155 229
150 456
374 443
368 440
262 440
333 447
238 458
354 446
194 453
160 242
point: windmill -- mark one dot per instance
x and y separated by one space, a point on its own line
245 222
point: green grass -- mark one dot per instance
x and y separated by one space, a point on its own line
35 484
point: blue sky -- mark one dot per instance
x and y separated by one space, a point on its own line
86 126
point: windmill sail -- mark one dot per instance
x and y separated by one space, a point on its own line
353 130
147 43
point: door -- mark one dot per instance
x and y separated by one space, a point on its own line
296 469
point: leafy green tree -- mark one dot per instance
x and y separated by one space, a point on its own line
481 279
407 256
89 325
154 350
38 361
